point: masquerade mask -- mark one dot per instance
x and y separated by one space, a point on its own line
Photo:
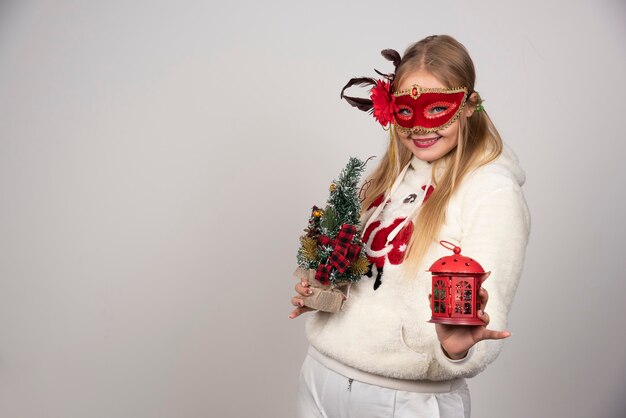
424 110
413 110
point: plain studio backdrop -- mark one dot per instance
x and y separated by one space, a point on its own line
158 161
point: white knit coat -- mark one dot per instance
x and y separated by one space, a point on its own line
385 331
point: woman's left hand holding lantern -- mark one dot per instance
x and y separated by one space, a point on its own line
456 340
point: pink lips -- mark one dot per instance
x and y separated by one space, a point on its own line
425 142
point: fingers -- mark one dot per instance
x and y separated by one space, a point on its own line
484 296
489 334
297 301
303 287
483 316
299 311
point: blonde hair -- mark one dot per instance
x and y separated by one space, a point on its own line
478 141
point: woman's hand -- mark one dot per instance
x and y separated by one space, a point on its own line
303 289
456 340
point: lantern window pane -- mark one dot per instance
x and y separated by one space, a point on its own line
440 307
439 292
463 296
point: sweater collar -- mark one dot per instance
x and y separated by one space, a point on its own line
419 165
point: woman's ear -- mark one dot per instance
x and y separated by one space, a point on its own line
469 110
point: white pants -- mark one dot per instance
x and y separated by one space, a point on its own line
323 393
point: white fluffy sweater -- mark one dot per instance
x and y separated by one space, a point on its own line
385 331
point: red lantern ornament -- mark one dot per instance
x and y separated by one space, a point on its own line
456 283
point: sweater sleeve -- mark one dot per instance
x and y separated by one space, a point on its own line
495 233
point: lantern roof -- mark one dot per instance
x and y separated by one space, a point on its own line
456 263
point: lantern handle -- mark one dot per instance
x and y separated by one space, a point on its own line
450 246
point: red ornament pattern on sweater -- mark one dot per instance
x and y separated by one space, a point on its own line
378 249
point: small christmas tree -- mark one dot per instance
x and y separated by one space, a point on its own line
331 247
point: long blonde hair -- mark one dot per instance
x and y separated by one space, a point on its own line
478 141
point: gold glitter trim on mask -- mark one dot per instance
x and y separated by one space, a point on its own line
416 91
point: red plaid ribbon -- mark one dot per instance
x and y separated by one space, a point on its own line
344 252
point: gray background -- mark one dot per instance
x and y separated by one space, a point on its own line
158 161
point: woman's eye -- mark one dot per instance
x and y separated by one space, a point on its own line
437 109
404 113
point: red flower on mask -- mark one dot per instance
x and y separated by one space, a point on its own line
384 103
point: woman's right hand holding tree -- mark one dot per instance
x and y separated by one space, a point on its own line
303 289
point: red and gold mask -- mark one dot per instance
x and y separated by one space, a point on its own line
423 110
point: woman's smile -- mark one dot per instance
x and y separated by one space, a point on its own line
425 142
